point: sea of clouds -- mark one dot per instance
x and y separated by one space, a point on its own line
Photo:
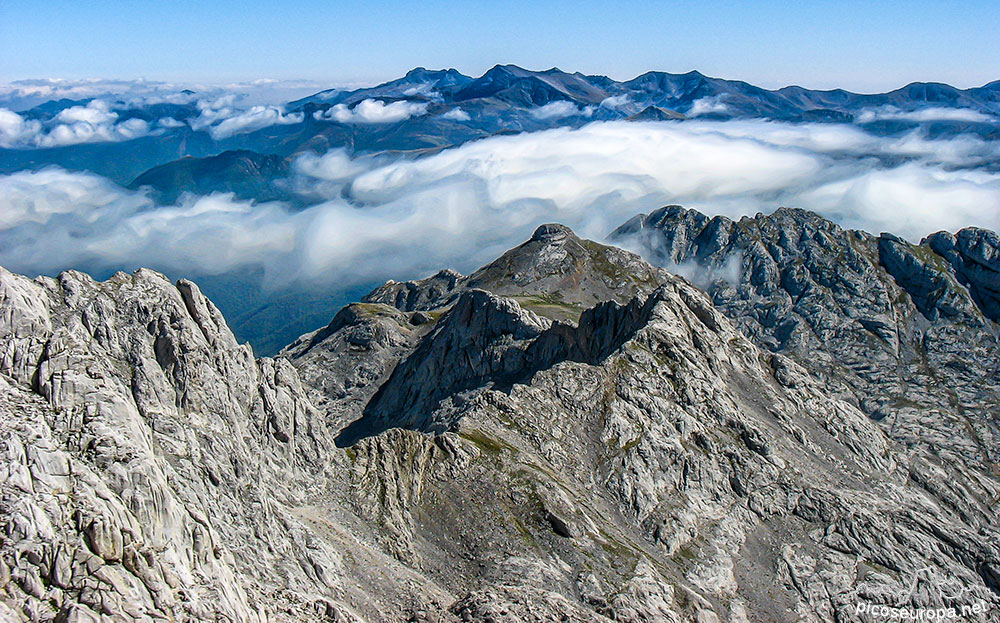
100 113
381 217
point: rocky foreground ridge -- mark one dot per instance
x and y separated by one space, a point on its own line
568 434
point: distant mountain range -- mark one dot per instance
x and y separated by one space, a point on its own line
429 110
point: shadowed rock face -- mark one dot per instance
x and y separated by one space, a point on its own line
487 341
974 254
907 332
640 461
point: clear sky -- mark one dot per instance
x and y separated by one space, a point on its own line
861 45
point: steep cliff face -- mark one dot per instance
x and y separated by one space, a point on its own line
441 453
908 332
142 472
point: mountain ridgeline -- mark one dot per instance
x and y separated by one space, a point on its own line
771 419
447 108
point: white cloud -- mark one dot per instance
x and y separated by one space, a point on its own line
223 110
222 118
23 94
456 114
92 123
170 122
560 110
213 111
15 130
92 223
571 168
616 101
847 140
913 199
96 112
707 105
925 114
42 196
425 88
85 132
374 111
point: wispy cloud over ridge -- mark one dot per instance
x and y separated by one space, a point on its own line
456 114
708 105
925 114
559 110
255 118
20 95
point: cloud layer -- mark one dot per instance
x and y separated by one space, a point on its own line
389 217
23 94
925 114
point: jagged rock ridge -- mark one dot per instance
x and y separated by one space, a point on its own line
908 332
639 461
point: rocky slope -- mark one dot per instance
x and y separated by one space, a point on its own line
907 332
440 452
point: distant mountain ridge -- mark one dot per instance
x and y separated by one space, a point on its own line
515 85
448 108
246 174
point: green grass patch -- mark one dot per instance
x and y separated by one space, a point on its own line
487 444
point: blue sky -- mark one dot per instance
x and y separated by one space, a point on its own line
863 46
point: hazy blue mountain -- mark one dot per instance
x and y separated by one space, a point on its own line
247 174
413 83
120 162
51 108
511 84
655 113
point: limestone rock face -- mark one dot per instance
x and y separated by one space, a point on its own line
153 470
907 332
587 438
681 446
140 440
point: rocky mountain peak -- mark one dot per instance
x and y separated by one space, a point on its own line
551 232
555 274
974 255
